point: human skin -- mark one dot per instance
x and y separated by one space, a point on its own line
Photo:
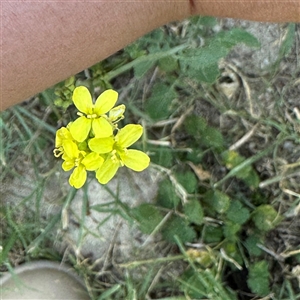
43 43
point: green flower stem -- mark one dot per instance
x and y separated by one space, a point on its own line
155 56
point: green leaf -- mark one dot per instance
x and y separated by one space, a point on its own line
217 200
247 162
188 180
206 56
213 234
202 63
148 217
237 213
194 125
158 104
232 250
162 156
233 159
258 279
193 211
212 137
202 133
237 36
142 68
179 227
208 74
252 179
251 245
167 196
265 217
231 229
168 64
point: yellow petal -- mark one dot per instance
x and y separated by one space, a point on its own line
105 102
101 145
68 165
80 128
129 135
135 160
62 134
70 149
83 100
102 128
107 170
78 177
92 161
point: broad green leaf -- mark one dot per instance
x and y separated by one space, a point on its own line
213 234
142 68
265 217
202 63
258 279
179 227
202 133
252 179
217 200
230 230
188 180
251 245
212 137
168 64
167 196
194 125
237 213
162 156
148 217
237 36
158 104
232 159
207 74
193 211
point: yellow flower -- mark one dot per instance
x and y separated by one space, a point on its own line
80 161
92 116
117 153
62 134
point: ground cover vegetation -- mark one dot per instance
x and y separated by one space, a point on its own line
226 141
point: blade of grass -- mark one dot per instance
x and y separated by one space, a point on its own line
45 233
38 121
8 245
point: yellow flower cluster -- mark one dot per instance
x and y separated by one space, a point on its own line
93 142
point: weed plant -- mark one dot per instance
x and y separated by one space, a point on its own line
228 202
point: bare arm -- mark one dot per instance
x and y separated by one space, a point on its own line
43 43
